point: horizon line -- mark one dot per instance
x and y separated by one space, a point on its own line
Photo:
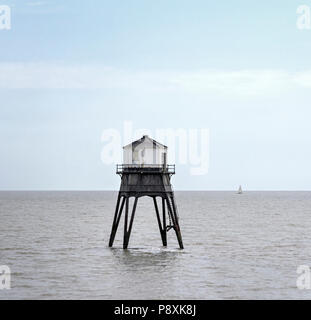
176 190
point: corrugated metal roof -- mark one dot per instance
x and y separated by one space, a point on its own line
141 140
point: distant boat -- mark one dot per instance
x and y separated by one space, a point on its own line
240 190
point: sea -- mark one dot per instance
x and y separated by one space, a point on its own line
247 246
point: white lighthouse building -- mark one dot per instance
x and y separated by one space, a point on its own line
145 152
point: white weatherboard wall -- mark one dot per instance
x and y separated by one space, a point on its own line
144 151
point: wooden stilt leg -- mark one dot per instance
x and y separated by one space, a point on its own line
175 221
127 231
159 221
116 220
178 232
164 224
170 214
121 210
132 220
125 240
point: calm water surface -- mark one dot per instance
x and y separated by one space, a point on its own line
237 247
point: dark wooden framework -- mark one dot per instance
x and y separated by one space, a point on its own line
140 182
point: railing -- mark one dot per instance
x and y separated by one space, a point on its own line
151 168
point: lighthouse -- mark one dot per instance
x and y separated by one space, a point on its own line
145 172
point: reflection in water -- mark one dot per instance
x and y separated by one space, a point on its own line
143 258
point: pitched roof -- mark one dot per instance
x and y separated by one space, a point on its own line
141 140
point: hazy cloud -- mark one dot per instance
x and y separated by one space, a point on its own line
240 83
36 3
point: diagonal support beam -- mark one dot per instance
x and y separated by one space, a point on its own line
164 223
128 230
174 216
116 219
161 228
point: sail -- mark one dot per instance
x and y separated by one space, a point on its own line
240 190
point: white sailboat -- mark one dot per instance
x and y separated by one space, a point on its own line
240 190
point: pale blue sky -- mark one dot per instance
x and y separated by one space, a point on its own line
70 69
